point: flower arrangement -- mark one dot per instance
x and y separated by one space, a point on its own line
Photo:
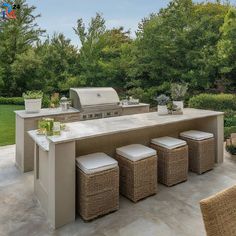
178 91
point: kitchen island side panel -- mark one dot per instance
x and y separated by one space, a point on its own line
19 140
215 125
109 143
61 201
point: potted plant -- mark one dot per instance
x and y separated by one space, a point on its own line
173 109
178 92
33 101
162 101
55 100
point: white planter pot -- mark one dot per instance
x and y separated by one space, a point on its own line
162 110
33 105
179 104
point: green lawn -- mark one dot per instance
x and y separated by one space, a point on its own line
7 123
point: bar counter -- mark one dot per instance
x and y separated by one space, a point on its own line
55 156
29 121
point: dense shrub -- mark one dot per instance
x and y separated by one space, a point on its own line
13 101
20 101
228 131
217 102
231 149
148 95
230 120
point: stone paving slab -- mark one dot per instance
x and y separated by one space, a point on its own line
172 212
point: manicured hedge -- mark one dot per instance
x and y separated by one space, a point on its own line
217 102
13 101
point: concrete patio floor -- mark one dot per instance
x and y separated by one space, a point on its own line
172 212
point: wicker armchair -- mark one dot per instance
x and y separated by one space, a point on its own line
219 213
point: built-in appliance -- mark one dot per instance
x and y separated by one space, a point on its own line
96 103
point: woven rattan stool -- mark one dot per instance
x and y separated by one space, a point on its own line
219 213
172 160
138 171
201 150
97 185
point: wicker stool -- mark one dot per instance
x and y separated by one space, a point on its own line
172 160
138 171
97 185
201 150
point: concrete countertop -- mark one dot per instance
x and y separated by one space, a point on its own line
136 105
94 128
46 112
41 140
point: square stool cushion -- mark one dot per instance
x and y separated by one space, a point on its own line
95 162
168 142
196 135
136 152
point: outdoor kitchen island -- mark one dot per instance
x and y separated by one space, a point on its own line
55 178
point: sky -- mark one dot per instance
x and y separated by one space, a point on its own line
60 16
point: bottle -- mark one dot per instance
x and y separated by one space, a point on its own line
49 126
56 128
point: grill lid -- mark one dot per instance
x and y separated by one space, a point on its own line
87 97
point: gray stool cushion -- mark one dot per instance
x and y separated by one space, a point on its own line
168 142
136 152
95 162
196 135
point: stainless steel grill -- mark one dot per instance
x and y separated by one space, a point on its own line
95 103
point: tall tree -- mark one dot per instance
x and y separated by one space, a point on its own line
178 44
203 36
101 53
91 48
16 37
227 50
60 64
161 44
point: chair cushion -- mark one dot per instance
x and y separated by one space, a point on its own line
168 142
95 162
135 152
196 135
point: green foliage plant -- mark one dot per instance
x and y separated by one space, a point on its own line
11 101
33 95
172 107
231 149
162 100
228 131
230 119
178 91
216 102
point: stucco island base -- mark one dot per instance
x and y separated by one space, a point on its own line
55 157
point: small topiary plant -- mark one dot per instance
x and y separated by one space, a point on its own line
162 100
